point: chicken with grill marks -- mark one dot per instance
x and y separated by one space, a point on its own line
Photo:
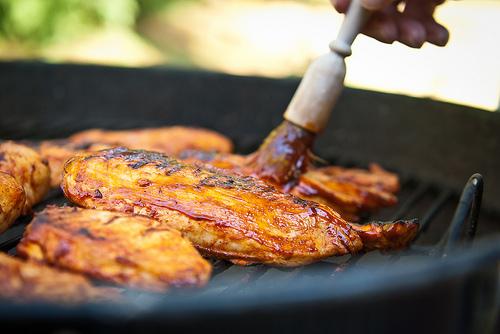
352 192
130 250
24 282
224 214
12 199
169 140
28 168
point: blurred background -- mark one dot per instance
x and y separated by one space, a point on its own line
271 38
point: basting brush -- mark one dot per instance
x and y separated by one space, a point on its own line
286 151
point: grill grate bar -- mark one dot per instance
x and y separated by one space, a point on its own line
417 194
9 244
350 263
437 205
288 276
293 274
219 266
250 277
443 196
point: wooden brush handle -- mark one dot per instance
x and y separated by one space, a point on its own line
354 20
323 81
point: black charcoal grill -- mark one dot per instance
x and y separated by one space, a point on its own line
446 155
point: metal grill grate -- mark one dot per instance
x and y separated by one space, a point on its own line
230 280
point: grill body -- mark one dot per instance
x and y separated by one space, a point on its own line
446 282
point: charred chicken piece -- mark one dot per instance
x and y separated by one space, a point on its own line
12 199
30 282
224 214
352 192
28 168
169 140
129 250
393 236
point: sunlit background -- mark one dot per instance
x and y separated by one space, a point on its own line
259 37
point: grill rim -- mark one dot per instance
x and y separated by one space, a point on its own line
457 265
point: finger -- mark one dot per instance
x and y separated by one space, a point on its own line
382 27
423 11
437 34
411 32
389 25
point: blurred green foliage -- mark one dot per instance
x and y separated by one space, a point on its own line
34 23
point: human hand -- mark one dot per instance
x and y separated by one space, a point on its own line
410 22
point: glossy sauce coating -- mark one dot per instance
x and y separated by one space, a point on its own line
353 192
224 214
283 156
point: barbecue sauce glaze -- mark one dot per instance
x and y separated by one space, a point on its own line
283 156
224 214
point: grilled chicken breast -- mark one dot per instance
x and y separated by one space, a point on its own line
169 140
12 199
130 250
352 192
28 282
28 168
224 214
58 151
